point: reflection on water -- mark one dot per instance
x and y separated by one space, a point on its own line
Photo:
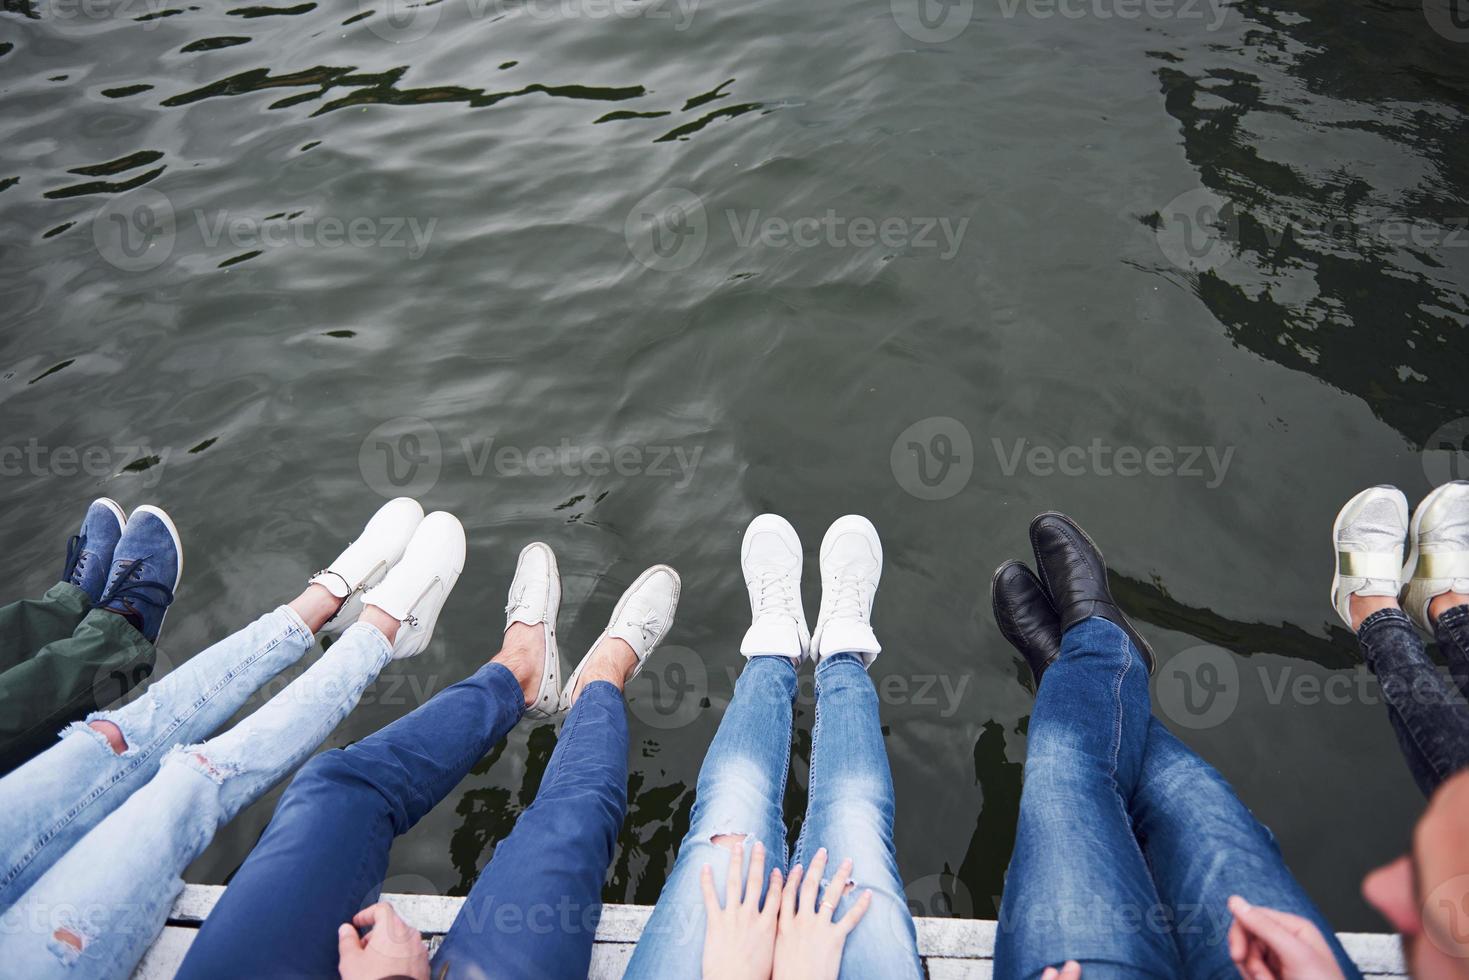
238 241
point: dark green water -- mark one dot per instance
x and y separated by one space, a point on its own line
299 252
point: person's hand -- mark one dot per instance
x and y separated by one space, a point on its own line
808 944
1270 945
392 949
739 943
1070 970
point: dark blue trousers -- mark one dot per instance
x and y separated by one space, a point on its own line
533 912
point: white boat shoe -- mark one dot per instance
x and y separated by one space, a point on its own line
367 559
642 618
535 600
1368 539
1439 559
851 565
771 559
414 590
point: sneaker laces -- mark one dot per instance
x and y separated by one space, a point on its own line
775 595
76 560
847 601
128 588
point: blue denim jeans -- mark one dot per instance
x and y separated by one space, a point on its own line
533 912
740 790
113 889
1129 845
1429 715
53 800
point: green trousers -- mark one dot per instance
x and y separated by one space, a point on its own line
61 660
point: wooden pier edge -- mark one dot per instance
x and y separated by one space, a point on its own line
952 949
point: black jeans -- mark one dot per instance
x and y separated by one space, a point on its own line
1429 715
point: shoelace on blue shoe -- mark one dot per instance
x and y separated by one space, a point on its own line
76 558
127 588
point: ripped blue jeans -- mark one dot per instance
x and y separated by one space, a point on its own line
54 799
104 902
740 791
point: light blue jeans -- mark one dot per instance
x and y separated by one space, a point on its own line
52 801
850 813
113 889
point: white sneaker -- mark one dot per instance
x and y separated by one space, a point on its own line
642 618
851 565
535 599
1439 559
366 560
1368 539
415 589
771 559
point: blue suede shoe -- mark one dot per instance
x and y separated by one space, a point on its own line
89 552
146 566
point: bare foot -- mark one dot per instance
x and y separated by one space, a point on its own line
315 606
387 625
612 661
1362 606
523 653
1442 603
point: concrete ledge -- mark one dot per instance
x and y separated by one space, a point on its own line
952 949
